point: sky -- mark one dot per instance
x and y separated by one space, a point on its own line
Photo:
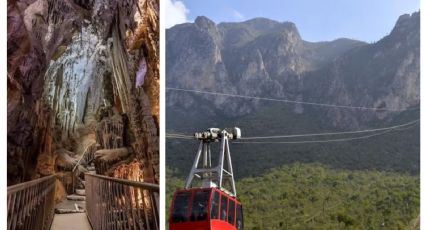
324 20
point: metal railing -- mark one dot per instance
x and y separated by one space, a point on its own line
114 203
88 156
30 205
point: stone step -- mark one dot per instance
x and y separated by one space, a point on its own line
67 211
91 168
92 171
76 197
81 192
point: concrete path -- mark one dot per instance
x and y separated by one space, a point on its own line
69 204
74 221
71 221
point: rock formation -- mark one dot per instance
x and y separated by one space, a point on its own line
265 58
72 87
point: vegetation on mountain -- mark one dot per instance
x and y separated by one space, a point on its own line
313 196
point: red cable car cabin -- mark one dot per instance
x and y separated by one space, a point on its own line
205 209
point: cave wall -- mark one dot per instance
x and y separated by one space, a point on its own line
35 30
77 58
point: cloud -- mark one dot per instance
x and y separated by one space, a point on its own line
175 13
237 15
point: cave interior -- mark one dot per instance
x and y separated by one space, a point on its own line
82 89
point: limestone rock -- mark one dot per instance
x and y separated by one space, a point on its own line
60 74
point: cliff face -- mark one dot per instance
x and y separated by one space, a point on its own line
72 66
265 58
383 75
259 57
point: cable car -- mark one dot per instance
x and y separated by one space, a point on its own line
205 209
209 206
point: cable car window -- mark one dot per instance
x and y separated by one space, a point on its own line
200 206
214 205
181 206
239 217
231 219
223 208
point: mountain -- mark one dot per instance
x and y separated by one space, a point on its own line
234 57
382 75
265 58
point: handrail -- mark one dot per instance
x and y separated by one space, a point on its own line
20 186
30 205
143 185
82 156
74 174
114 203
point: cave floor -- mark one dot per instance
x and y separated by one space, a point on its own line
71 221
70 204
74 221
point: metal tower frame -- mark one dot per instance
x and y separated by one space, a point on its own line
214 176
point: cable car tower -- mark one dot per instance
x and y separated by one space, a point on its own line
209 206
214 177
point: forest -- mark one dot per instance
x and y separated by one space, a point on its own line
314 196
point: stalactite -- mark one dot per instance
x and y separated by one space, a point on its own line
110 130
146 39
141 122
120 68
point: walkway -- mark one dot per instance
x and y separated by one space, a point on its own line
70 214
112 203
74 221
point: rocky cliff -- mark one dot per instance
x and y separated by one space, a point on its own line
381 75
261 57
